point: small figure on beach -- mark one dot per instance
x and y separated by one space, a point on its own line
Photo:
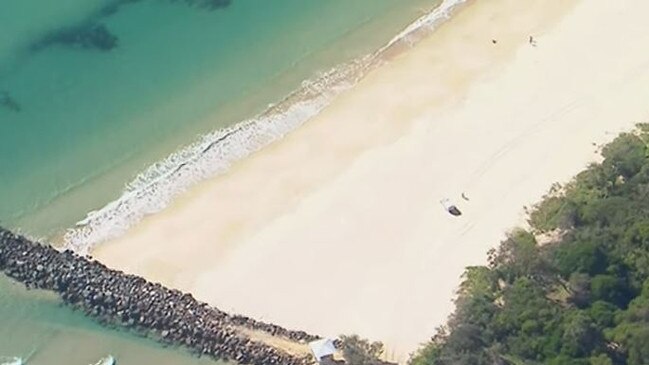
532 41
494 41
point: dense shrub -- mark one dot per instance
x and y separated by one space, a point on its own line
582 299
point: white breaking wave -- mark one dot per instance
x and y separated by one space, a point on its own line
153 189
108 360
11 361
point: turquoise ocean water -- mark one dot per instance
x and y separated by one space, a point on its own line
90 120
93 92
35 327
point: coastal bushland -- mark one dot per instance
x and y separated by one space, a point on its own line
573 287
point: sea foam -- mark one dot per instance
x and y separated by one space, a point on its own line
212 154
11 361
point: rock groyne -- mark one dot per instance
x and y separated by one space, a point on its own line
115 298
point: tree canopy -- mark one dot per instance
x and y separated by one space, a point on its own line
583 298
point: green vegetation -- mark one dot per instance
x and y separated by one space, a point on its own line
582 298
359 351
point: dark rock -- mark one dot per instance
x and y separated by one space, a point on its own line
118 299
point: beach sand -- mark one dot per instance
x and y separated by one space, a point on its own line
338 227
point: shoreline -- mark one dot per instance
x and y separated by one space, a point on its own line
212 154
345 233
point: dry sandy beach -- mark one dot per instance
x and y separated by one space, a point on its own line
338 227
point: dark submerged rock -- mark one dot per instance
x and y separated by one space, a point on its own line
85 36
8 102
